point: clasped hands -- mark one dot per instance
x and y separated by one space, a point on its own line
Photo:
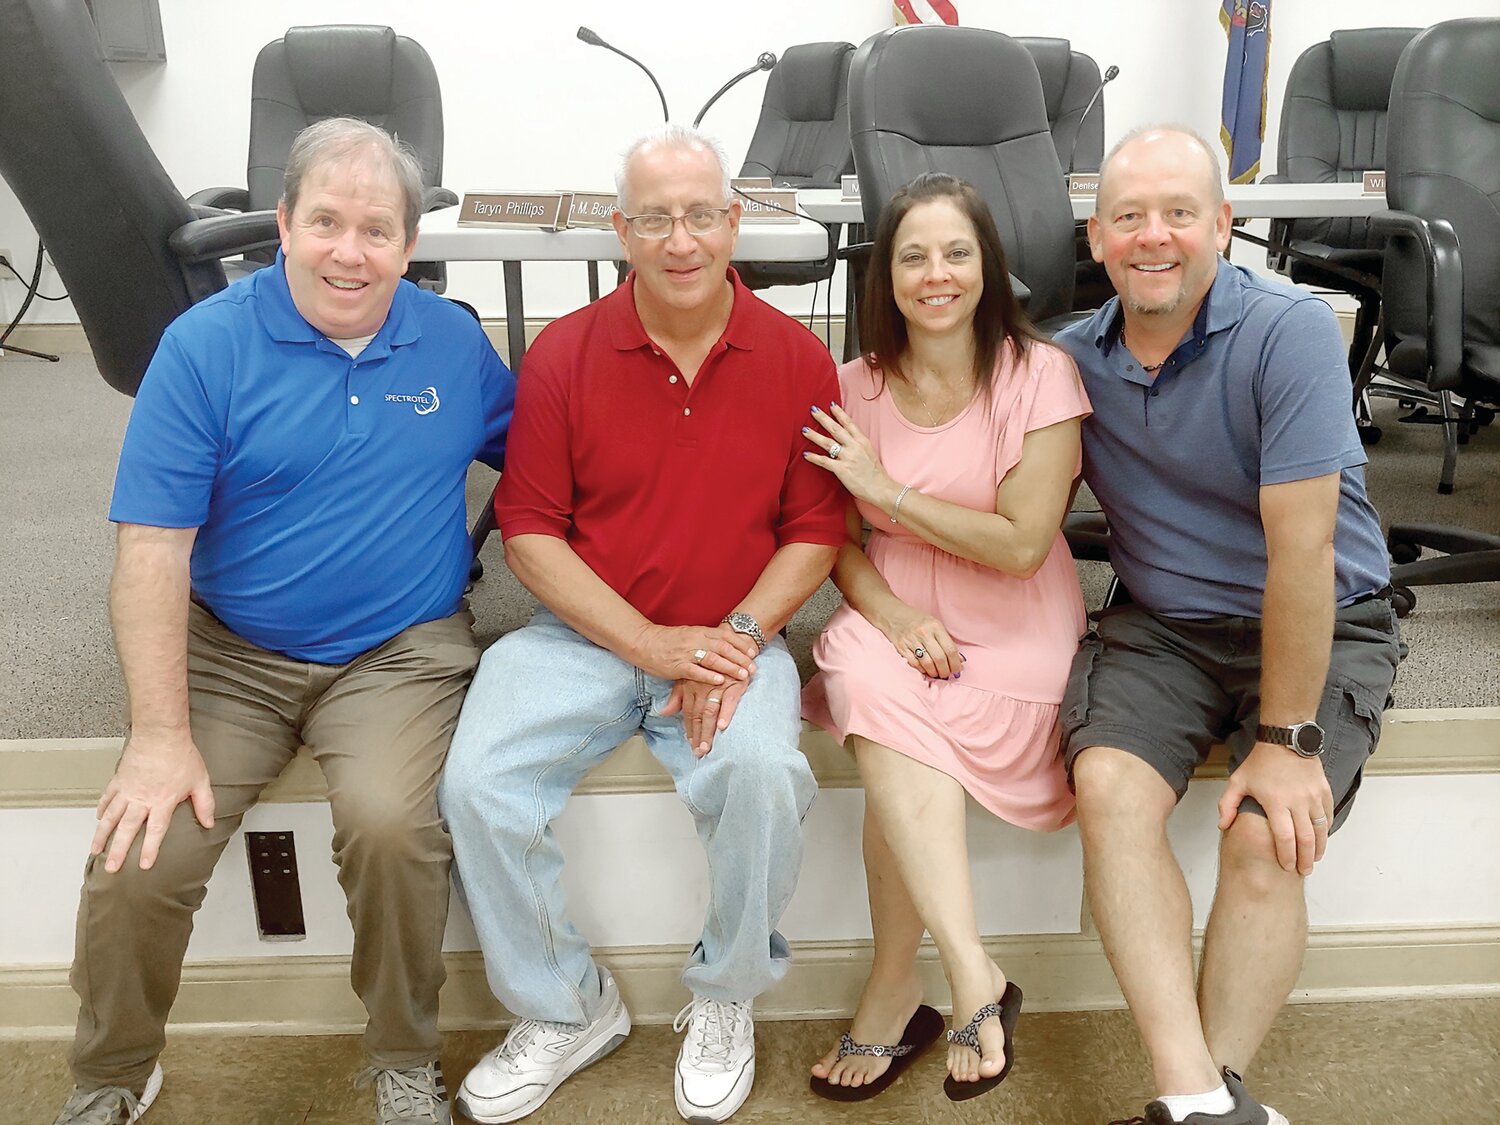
706 689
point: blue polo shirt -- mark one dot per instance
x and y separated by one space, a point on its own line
1257 393
328 492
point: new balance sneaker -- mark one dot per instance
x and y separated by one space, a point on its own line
716 1066
109 1105
1246 1110
409 1096
537 1057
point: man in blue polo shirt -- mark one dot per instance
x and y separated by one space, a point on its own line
290 569
1223 450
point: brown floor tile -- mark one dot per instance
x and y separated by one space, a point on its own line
1324 1064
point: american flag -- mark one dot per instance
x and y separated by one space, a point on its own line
925 11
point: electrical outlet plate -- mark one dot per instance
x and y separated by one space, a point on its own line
274 884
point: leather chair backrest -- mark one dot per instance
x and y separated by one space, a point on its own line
1000 142
1069 79
802 137
1443 162
340 70
72 152
1333 120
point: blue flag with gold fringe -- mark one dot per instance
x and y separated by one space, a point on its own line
1243 121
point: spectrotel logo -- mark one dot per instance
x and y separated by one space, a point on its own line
424 403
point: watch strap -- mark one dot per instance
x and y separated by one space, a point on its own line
1277 736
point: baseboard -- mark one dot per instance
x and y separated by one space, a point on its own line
1060 972
72 772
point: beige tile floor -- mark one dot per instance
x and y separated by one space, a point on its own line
1324 1064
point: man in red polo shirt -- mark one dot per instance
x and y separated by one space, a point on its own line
657 503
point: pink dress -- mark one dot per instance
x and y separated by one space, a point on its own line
994 729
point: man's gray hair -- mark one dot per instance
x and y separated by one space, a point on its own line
672 136
339 139
1169 127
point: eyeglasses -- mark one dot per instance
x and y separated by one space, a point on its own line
699 222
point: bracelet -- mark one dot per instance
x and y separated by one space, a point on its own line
896 509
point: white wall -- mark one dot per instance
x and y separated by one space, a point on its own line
635 874
528 105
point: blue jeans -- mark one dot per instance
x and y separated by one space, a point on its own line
546 706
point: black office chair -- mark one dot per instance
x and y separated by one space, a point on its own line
1001 143
1069 81
1442 267
802 140
1333 130
130 250
340 70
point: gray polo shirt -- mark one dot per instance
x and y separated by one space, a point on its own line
1257 393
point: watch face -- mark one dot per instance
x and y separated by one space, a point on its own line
1309 738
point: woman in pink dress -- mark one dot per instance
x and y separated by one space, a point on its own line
944 667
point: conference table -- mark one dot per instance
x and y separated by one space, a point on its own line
1247 201
441 238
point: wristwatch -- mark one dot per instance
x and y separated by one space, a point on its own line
1304 739
744 623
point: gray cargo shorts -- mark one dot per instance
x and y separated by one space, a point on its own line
1168 689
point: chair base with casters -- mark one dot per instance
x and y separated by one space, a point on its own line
1469 556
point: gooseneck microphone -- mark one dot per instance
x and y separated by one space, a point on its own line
593 40
1109 76
766 61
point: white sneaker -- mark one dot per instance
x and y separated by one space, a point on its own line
537 1057
110 1105
716 1065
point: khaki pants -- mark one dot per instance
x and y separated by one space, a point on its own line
379 728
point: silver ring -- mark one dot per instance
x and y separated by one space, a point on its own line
1320 820
699 654
919 652
834 450
714 699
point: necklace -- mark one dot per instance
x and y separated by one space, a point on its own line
1148 368
931 417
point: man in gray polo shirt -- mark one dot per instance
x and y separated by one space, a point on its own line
1223 450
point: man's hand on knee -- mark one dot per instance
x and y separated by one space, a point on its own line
155 775
1296 798
705 710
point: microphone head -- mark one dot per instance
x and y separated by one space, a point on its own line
766 61
1109 75
590 37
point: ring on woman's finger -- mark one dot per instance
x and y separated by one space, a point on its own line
699 654
919 652
834 450
714 699
1317 820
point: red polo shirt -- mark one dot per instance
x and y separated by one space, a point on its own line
675 496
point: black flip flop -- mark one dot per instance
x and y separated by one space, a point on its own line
1007 1008
922 1031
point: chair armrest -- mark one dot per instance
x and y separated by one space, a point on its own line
1021 290
223 198
435 197
224 236
1445 290
1275 178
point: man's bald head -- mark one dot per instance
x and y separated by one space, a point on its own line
1176 142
